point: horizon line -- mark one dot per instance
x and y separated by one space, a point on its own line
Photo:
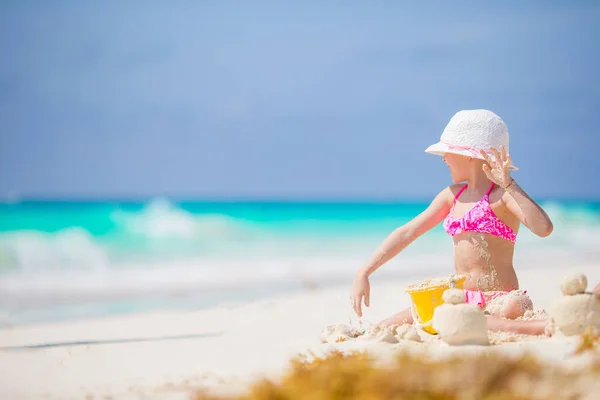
257 199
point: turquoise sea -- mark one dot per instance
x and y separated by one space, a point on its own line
65 259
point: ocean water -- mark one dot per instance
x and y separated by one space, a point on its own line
61 260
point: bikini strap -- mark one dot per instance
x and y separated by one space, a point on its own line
490 189
460 192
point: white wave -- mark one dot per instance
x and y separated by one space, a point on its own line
162 231
24 290
575 228
161 219
67 249
209 277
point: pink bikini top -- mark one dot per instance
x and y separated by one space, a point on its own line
480 218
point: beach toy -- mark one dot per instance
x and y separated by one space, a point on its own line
428 295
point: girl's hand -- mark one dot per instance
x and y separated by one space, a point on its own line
361 288
497 169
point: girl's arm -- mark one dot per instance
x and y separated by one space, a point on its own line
515 198
396 242
407 233
527 210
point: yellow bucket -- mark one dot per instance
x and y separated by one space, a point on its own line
426 297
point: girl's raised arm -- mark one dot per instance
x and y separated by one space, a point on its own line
517 201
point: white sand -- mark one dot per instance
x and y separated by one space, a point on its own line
232 345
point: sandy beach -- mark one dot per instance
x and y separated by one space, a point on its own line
194 196
167 354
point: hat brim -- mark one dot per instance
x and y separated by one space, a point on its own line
439 149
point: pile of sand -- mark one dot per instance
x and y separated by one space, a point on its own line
375 334
446 281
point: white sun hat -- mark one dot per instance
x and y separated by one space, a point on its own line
470 131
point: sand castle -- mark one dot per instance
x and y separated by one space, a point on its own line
575 311
458 323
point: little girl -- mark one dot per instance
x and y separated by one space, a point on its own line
482 216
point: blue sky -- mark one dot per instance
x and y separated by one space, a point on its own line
265 100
